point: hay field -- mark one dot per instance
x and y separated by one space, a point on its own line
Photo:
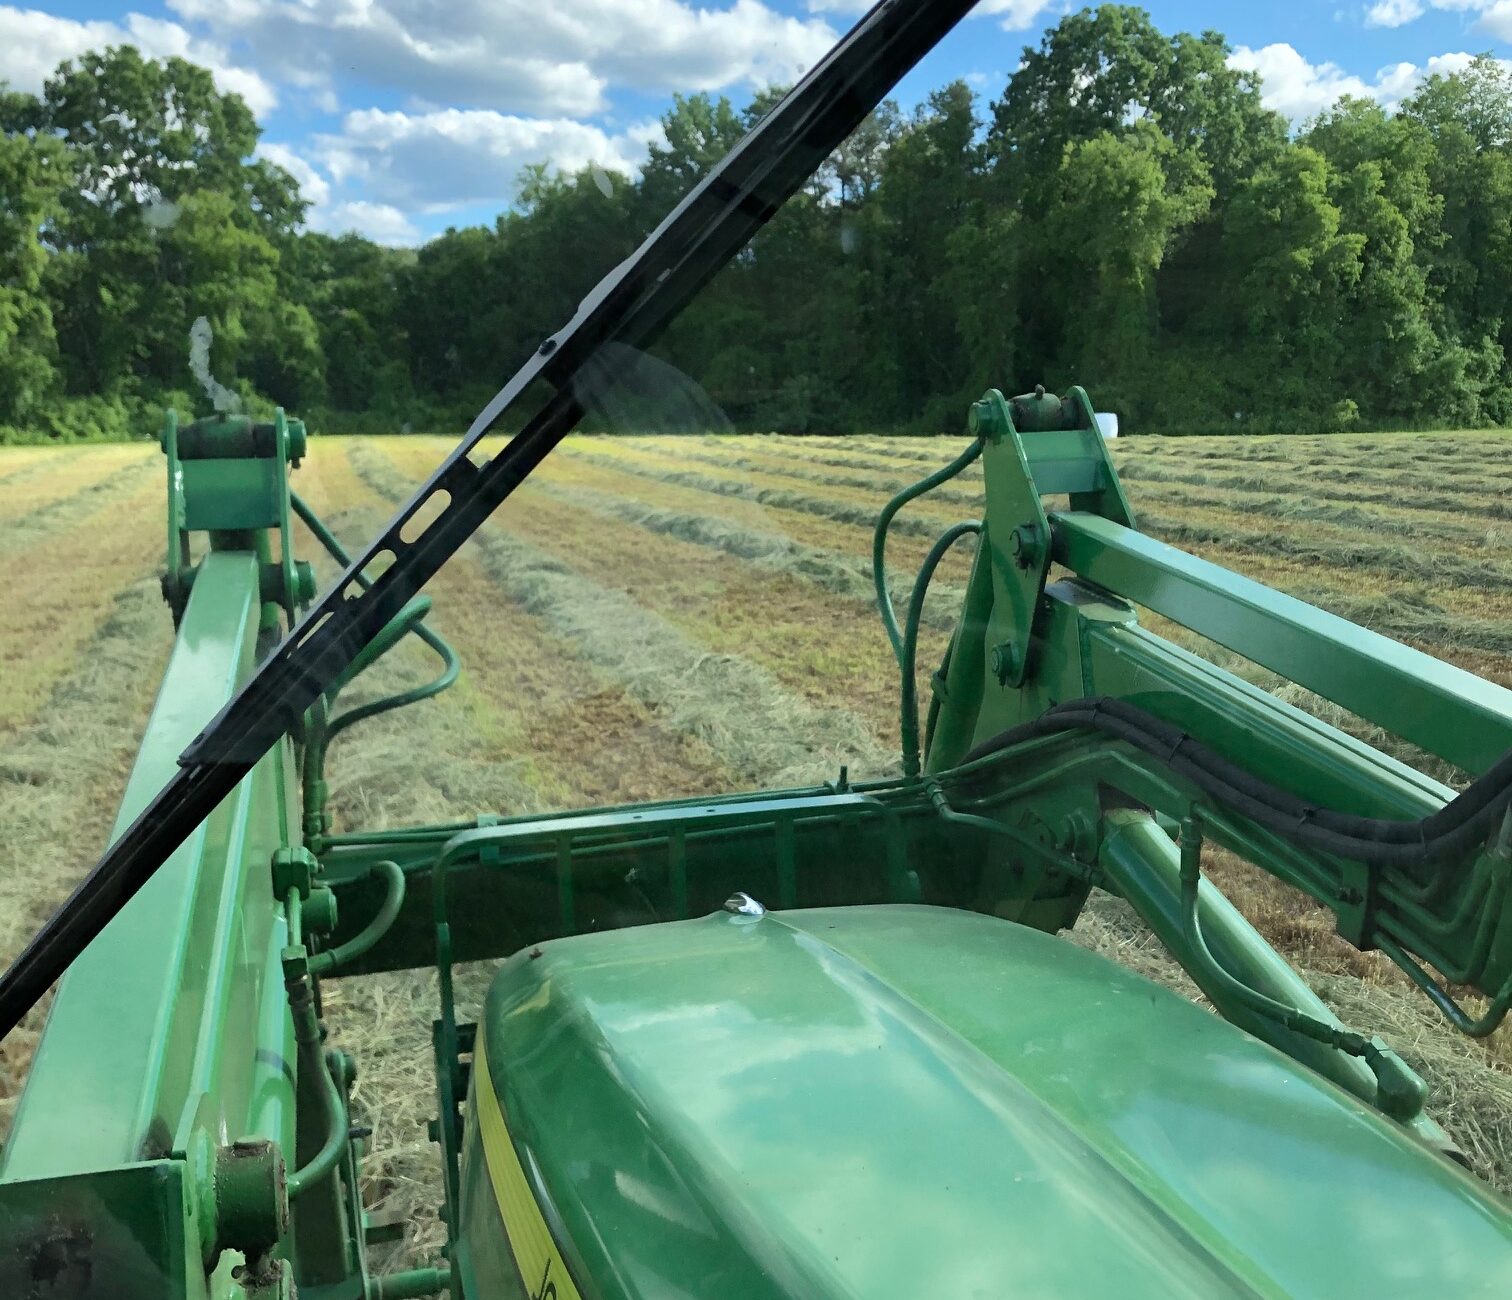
654 617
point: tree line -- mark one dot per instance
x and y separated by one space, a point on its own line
1125 214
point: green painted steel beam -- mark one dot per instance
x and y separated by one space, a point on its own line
1441 708
169 1038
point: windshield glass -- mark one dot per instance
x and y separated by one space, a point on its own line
1275 256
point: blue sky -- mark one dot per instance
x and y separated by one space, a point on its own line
403 117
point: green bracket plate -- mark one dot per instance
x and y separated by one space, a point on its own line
1020 552
1036 445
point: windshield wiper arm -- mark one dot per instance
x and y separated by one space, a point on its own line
629 307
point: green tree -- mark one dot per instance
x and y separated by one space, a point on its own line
351 289
1296 265
1102 71
1394 346
31 178
1121 202
1468 118
699 131
165 218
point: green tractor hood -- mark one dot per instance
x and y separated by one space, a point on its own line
908 1101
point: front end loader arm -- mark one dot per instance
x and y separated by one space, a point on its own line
1114 755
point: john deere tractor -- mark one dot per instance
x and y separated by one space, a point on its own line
801 1043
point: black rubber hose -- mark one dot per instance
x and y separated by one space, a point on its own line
1460 825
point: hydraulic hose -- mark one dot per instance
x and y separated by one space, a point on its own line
908 708
322 963
879 538
1399 1092
1460 826
313 1064
451 665
318 737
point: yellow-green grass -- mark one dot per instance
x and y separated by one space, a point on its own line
819 647
43 480
60 588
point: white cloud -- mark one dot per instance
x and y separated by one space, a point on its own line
447 158
380 222
1293 86
1393 13
1298 89
312 185
1495 16
33 43
1496 20
1017 14
551 59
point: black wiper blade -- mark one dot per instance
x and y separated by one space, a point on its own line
629 307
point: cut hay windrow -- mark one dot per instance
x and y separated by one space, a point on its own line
1350 545
904 449
1405 616
1416 459
878 487
844 575
61 777
782 498
1336 551
419 765
682 454
1432 530
531 702
819 647
903 473
805 528
1391 494
1147 482
61 590
905 553
1424 476
69 490
762 732
20 464
776 535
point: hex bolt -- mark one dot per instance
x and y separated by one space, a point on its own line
1003 661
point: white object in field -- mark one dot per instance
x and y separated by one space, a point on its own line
1107 424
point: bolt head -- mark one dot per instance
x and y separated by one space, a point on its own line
1024 543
